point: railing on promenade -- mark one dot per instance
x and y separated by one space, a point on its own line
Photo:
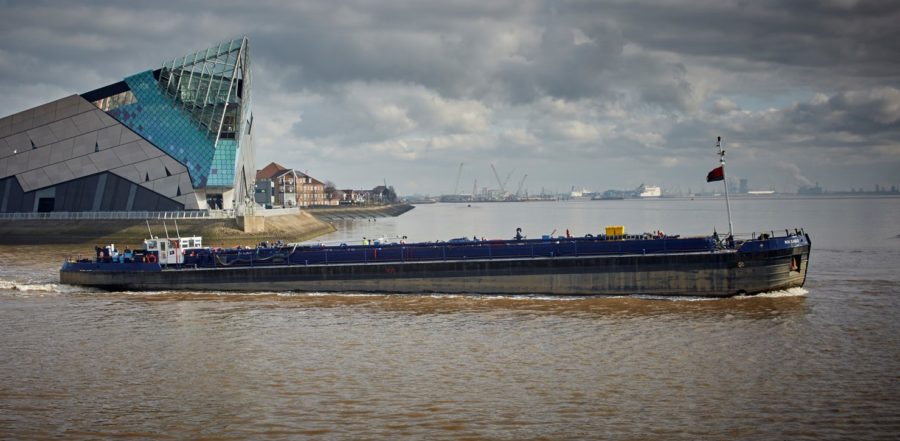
124 215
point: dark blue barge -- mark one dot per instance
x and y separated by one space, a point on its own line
621 265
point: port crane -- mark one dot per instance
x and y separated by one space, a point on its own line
499 182
458 175
508 175
521 183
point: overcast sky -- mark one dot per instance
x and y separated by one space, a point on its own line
595 94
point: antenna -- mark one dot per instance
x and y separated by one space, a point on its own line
148 228
167 230
725 183
177 234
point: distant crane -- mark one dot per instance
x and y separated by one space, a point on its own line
458 175
521 183
509 175
500 183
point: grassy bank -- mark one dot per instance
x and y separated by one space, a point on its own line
291 228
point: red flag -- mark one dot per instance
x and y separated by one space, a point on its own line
717 174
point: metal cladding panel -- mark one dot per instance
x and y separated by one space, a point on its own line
45 109
41 136
87 122
38 158
33 180
167 186
149 170
62 150
85 144
42 179
17 163
44 115
67 106
184 183
19 142
5 126
130 153
129 136
58 172
129 172
150 150
82 166
172 165
5 149
22 121
157 170
105 119
109 137
106 160
85 105
64 129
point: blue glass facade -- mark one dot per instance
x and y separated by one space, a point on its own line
223 164
196 108
167 126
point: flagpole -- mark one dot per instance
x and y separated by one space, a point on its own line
725 183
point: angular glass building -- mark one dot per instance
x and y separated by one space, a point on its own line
175 138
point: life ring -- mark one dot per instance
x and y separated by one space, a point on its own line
151 258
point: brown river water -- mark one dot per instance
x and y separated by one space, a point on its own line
821 362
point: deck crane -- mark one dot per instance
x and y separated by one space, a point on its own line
521 183
458 175
499 182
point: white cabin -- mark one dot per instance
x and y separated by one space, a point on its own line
171 251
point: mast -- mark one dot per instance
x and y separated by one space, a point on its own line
725 183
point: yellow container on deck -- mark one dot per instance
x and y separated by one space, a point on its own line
615 230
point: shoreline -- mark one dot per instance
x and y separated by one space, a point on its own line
303 226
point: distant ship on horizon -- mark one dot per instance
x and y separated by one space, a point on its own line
649 191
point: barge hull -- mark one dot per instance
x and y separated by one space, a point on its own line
717 274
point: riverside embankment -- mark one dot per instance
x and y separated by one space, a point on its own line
341 213
296 227
291 227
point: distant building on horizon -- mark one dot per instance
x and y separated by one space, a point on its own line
811 190
173 138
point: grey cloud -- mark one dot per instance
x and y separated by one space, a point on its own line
628 90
